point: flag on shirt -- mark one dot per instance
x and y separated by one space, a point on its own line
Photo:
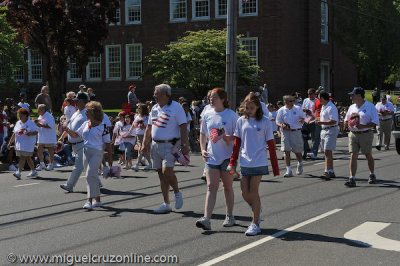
217 134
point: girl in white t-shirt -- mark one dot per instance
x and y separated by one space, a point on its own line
24 135
69 109
217 127
140 124
253 131
128 139
116 138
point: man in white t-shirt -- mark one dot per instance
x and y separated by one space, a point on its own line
167 128
290 119
362 117
47 137
385 111
309 126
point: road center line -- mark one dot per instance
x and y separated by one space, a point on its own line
25 185
268 238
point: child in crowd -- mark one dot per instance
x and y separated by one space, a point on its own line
69 109
116 138
128 139
140 124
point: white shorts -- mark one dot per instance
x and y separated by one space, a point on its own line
292 141
161 154
328 138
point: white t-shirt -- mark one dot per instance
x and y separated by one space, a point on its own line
189 119
106 120
94 137
219 151
368 114
24 105
272 118
123 132
47 135
329 112
166 121
308 104
77 119
254 136
118 138
24 142
290 117
265 109
205 110
145 120
384 107
69 111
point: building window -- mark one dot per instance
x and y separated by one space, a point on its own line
133 11
34 66
248 8
133 61
178 10
325 76
19 74
200 9
93 68
221 8
113 62
73 72
324 21
251 46
117 17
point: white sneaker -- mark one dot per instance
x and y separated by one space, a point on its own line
99 172
127 167
311 155
12 168
97 204
136 167
229 221
143 161
32 174
288 174
17 175
49 167
299 170
178 200
40 167
148 167
88 205
253 230
164 208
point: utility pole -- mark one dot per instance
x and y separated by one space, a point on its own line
231 52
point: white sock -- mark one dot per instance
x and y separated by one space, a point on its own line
330 171
326 171
300 163
288 168
42 164
353 177
372 173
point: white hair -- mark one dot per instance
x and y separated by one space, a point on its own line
42 106
164 88
43 88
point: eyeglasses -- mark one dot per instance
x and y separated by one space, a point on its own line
291 101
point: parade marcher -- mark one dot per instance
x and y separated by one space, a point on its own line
141 121
217 127
132 98
272 117
328 120
385 111
264 94
361 117
92 96
47 137
74 124
116 138
95 134
24 135
206 108
309 125
44 98
253 132
290 119
167 128
128 139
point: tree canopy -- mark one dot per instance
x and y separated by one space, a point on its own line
197 62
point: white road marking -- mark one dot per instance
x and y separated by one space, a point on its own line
366 234
319 163
268 238
25 185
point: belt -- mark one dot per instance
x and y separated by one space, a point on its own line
174 140
295 129
385 119
360 132
77 142
326 128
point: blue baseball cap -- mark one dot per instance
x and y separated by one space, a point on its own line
357 90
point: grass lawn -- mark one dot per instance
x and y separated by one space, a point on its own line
368 96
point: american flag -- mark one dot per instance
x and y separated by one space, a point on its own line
217 134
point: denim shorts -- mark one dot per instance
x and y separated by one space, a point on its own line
222 167
254 171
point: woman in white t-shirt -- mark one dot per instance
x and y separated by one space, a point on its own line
217 127
24 135
128 139
95 134
253 131
116 138
140 124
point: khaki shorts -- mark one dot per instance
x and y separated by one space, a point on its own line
292 141
47 145
139 140
328 138
361 142
161 154
24 153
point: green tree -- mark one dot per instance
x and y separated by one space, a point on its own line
197 62
368 31
11 53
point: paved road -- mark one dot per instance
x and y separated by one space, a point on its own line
38 218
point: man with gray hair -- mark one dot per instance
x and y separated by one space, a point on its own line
47 137
44 98
167 129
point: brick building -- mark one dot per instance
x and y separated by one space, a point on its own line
290 40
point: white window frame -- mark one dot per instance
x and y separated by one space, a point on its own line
108 62
128 77
171 18
325 26
251 39
30 68
88 78
20 67
117 11
217 9
71 64
127 13
194 17
322 65
241 14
